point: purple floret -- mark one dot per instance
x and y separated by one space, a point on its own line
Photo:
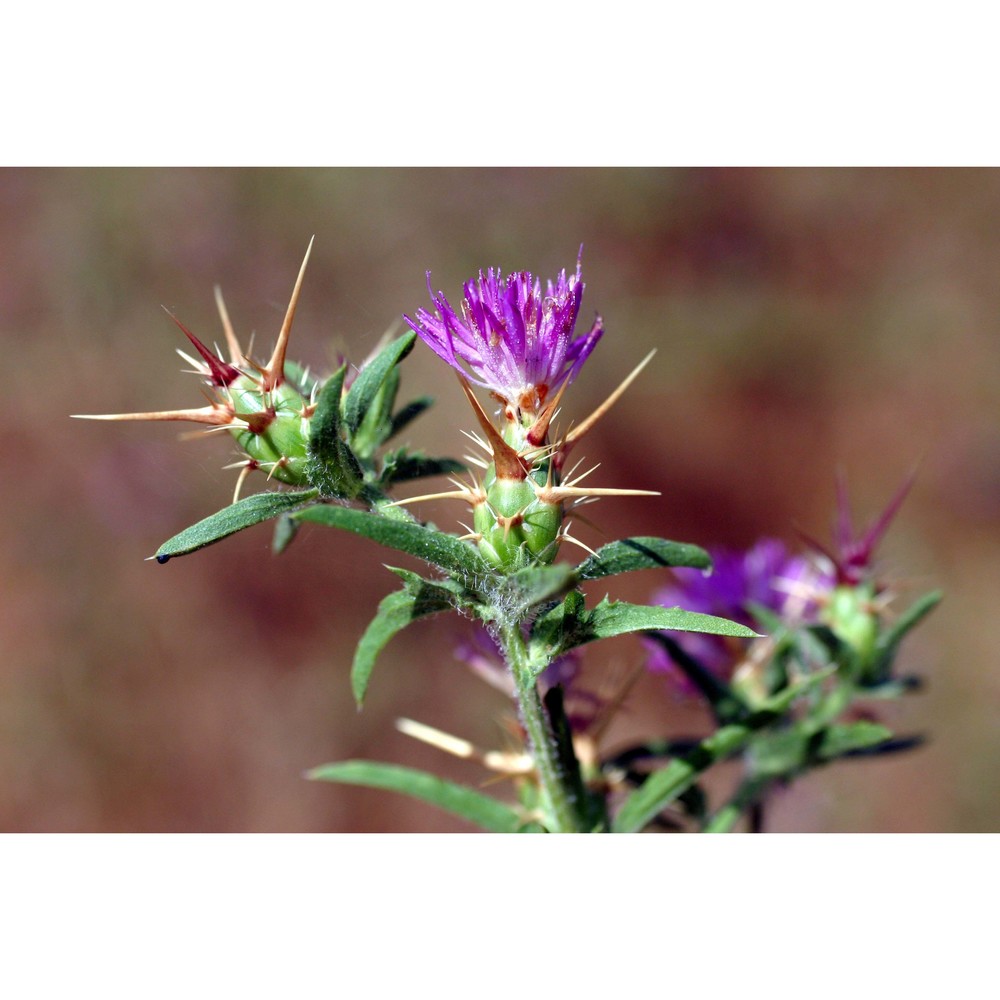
510 338
766 575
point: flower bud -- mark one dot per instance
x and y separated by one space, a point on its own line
276 432
516 528
852 618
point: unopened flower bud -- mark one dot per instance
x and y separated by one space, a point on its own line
515 526
853 619
276 434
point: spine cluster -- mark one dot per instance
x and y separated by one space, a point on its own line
267 408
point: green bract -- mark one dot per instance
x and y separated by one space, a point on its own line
852 618
516 529
280 446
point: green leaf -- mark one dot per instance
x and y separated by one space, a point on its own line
443 590
551 629
456 799
369 381
376 422
630 554
243 514
851 737
404 416
664 786
590 805
418 599
434 547
399 467
285 530
555 632
889 640
332 466
895 688
612 618
784 752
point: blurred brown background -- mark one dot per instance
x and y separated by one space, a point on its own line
805 320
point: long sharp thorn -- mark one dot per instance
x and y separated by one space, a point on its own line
200 415
570 481
275 373
235 354
565 492
576 541
506 764
568 475
478 441
436 738
466 495
538 430
219 372
505 458
241 479
577 432
881 524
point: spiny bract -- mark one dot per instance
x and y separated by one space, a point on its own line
267 408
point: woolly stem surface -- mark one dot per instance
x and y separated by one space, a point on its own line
559 801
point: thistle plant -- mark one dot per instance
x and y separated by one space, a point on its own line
781 702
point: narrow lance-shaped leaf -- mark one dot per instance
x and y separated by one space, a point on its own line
611 618
466 803
400 466
889 640
851 738
366 386
332 466
408 413
242 514
418 599
376 420
630 554
664 786
285 530
435 547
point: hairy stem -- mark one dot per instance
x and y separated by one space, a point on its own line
560 801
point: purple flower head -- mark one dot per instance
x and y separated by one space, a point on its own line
766 575
510 338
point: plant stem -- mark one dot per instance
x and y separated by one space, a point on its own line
560 802
747 800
